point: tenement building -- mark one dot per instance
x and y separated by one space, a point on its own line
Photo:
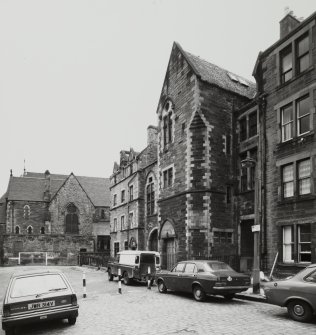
57 214
134 198
286 81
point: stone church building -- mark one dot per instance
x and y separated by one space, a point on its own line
58 214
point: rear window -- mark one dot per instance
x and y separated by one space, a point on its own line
147 258
32 285
218 266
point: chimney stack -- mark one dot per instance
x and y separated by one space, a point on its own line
152 135
288 23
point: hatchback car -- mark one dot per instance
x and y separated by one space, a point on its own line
297 293
38 296
203 278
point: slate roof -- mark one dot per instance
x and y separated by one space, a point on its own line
218 76
32 186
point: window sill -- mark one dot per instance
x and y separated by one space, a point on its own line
246 192
296 77
151 215
299 140
293 200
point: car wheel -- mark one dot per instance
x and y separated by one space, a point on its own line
229 296
198 293
162 287
110 275
300 310
126 279
72 320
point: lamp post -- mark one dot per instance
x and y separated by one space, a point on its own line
249 163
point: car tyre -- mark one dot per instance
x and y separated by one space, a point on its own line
229 296
300 310
72 320
198 293
110 275
126 279
162 288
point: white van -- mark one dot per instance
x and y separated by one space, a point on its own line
134 265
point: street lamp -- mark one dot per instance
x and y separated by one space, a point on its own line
249 163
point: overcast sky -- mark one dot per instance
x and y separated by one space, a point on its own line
80 80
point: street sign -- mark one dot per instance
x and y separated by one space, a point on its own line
255 227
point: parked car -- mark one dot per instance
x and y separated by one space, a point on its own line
37 296
134 265
297 293
203 278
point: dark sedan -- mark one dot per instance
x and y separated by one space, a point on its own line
203 278
297 293
38 296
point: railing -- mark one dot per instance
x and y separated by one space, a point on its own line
97 259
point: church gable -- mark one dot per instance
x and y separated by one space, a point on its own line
71 209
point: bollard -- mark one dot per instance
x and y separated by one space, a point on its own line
84 284
119 282
149 280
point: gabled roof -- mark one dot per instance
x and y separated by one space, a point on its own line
218 76
31 187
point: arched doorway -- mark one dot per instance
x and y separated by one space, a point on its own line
153 240
168 238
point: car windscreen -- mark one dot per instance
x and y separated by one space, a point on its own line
37 284
217 266
147 258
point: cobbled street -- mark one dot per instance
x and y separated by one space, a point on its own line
139 310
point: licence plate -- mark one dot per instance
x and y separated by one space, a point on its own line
43 304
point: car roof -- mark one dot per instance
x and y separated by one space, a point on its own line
137 252
201 261
28 272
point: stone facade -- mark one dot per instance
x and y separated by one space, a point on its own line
57 214
133 210
286 78
195 218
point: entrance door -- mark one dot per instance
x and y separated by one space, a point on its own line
246 245
153 242
170 253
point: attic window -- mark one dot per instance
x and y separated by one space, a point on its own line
232 77
243 82
237 79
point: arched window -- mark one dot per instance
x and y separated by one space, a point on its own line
150 196
29 230
42 230
167 119
26 212
72 221
17 229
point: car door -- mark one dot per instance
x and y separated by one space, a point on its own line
308 288
174 282
187 277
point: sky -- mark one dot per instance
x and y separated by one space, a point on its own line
80 80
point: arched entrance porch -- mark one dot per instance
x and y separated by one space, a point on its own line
168 242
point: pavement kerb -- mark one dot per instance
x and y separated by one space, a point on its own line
251 297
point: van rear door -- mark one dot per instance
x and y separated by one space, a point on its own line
147 260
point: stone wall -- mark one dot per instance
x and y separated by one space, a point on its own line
71 192
62 249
